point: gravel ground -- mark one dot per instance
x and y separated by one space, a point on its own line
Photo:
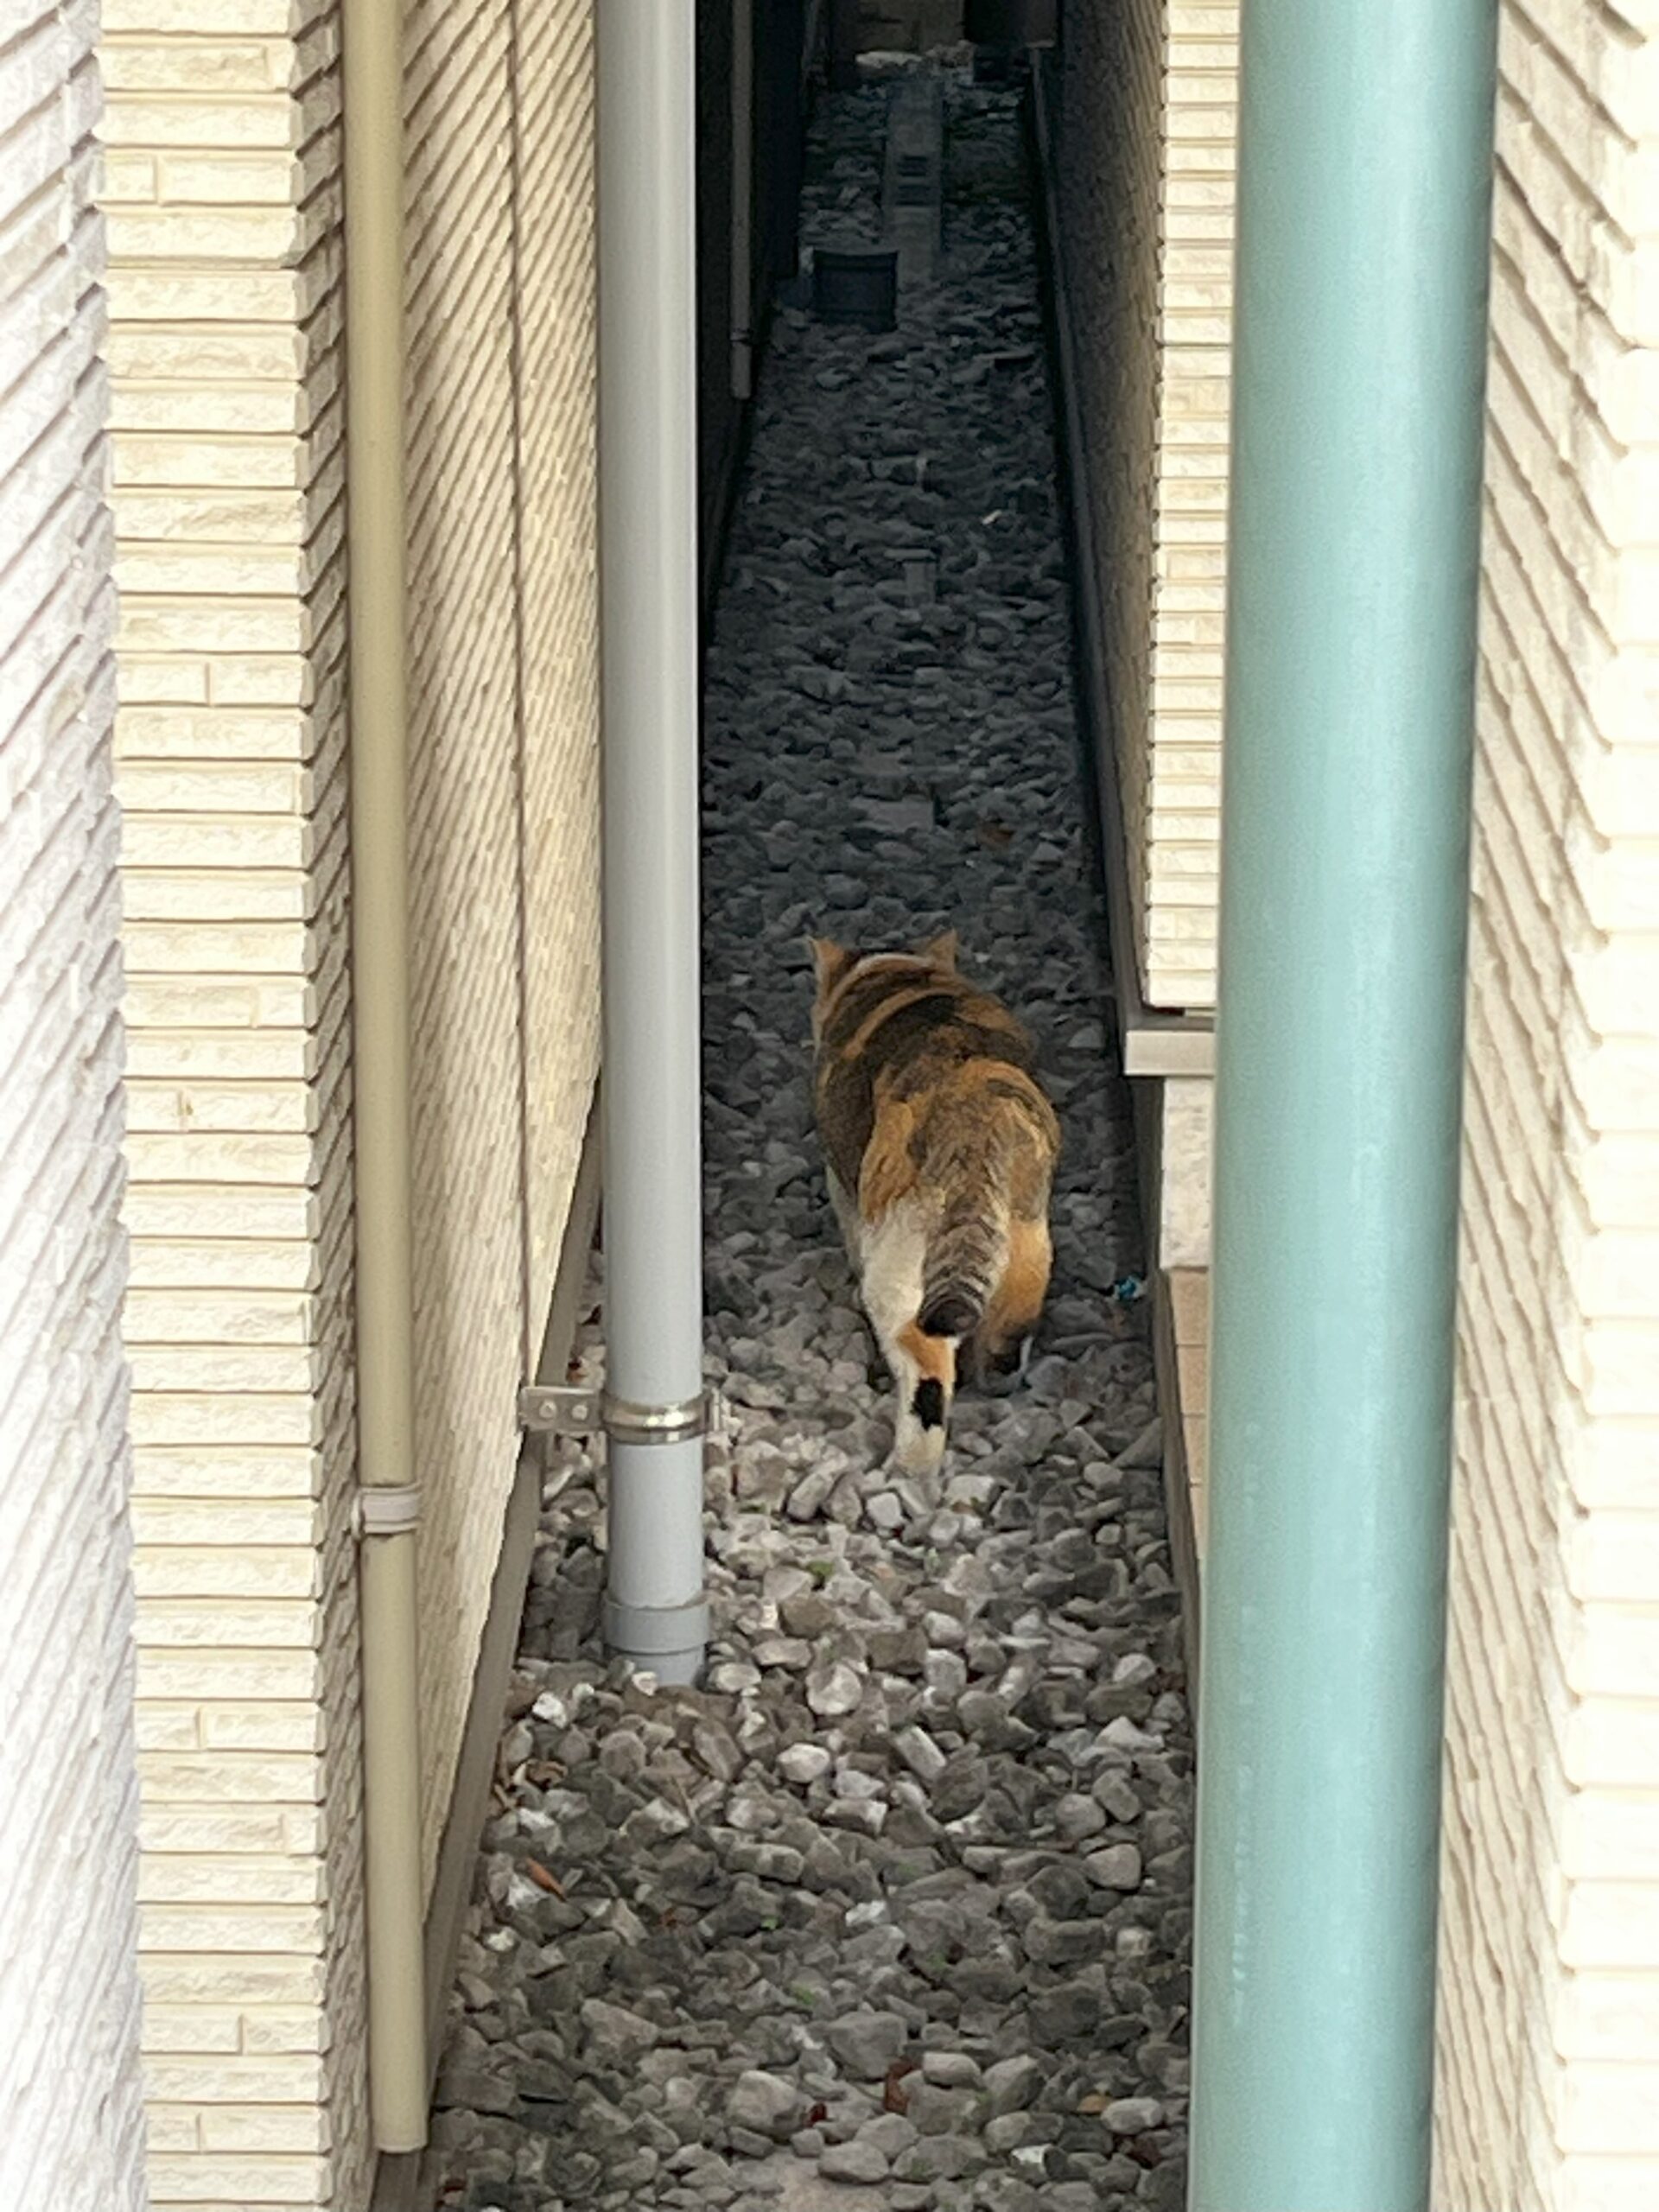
895 1910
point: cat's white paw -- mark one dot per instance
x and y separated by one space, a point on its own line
916 1449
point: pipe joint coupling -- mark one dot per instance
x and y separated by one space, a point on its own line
648 1633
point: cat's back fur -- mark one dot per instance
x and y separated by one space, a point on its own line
940 1147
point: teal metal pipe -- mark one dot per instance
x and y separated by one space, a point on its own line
1365 164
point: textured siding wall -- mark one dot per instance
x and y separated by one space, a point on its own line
1549 2027
503 757
223 192
1147 122
465 836
223 201
1109 155
72 2139
558 572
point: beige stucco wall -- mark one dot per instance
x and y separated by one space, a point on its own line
1147 121
1549 2026
223 192
71 2139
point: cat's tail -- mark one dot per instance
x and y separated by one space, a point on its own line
966 1255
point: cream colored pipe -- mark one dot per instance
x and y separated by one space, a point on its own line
380 992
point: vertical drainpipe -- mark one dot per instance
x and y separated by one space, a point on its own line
1365 161
388 1495
655 1611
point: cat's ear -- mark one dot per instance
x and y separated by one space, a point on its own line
831 962
941 950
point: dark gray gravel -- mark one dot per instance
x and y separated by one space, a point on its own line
895 1910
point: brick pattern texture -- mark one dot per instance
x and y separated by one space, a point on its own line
223 195
72 2138
222 199
1146 127
1549 2097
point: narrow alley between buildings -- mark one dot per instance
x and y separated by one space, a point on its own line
894 1910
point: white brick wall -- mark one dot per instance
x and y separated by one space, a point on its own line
1549 2028
72 2139
224 197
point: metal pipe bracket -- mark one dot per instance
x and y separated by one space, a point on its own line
386 1509
576 1409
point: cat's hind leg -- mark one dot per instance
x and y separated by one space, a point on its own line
852 1235
1001 1349
924 1368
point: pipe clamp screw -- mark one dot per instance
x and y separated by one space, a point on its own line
559 1409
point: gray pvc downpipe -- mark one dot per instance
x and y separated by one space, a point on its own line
1365 166
655 1610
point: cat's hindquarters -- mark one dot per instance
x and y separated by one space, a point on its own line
946 1285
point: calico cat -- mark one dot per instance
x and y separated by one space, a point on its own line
940 1148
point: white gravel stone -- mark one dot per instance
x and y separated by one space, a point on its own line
834 1689
852 1783
867 2044
1077 1816
857 2161
1117 1867
891 2132
919 1753
950 2069
1012 2084
804 1763
762 2102
1133 2116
